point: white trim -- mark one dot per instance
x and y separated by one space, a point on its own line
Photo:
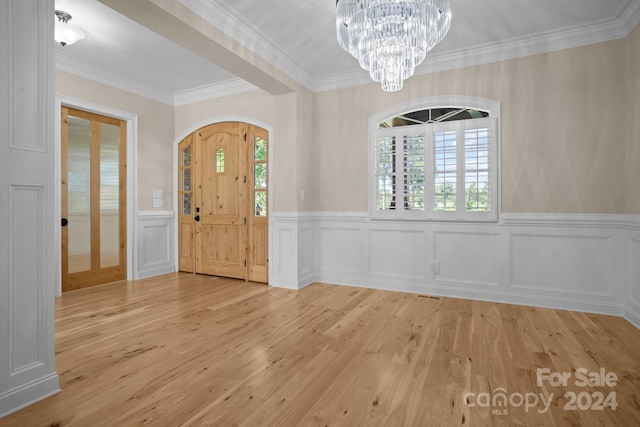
297 244
212 91
223 17
28 394
462 101
132 175
88 71
157 227
453 101
625 20
347 246
632 314
573 220
270 178
202 93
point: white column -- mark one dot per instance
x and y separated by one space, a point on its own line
27 215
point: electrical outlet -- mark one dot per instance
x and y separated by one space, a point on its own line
435 267
157 203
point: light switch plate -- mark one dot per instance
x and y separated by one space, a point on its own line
157 203
157 194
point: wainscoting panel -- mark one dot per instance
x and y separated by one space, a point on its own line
155 244
559 263
283 269
578 262
28 327
306 253
574 262
467 258
633 280
397 254
341 249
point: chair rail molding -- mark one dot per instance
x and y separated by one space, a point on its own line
579 262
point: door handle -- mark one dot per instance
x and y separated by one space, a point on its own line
197 218
64 222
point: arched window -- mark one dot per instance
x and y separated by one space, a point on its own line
435 159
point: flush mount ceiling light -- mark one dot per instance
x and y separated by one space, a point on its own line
66 34
391 37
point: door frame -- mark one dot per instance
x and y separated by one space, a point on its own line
132 177
270 178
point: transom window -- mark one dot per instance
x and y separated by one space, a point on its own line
438 162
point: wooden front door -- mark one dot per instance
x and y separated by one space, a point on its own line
93 155
223 201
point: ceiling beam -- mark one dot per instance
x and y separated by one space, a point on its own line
184 27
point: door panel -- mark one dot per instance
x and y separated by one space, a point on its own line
93 199
223 188
221 200
186 244
258 212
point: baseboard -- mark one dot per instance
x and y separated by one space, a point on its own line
164 269
632 314
28 394
502 297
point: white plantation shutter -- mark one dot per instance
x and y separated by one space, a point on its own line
477 168
384 147
413 172
441 171
445 169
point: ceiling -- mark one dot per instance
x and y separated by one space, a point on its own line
298 37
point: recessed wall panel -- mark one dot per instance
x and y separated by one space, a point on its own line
634 271
469 258
155 240
28 226
561 264
341 249
27 87
398 253
285 251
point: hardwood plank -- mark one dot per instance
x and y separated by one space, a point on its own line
185 349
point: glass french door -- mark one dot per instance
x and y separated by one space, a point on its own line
93 199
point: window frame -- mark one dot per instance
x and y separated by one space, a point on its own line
460 215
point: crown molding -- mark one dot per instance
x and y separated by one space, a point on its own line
212 91
202 93
87 71
627 18
221 16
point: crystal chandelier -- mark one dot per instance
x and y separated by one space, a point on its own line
391 37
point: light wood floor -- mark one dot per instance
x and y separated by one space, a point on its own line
196 350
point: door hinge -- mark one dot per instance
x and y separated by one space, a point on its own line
245 262
245 220
245 179
245 137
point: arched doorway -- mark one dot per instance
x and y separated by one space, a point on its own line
223 201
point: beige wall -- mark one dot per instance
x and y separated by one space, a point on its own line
563 143
569 131
155 132
307 167
633 115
